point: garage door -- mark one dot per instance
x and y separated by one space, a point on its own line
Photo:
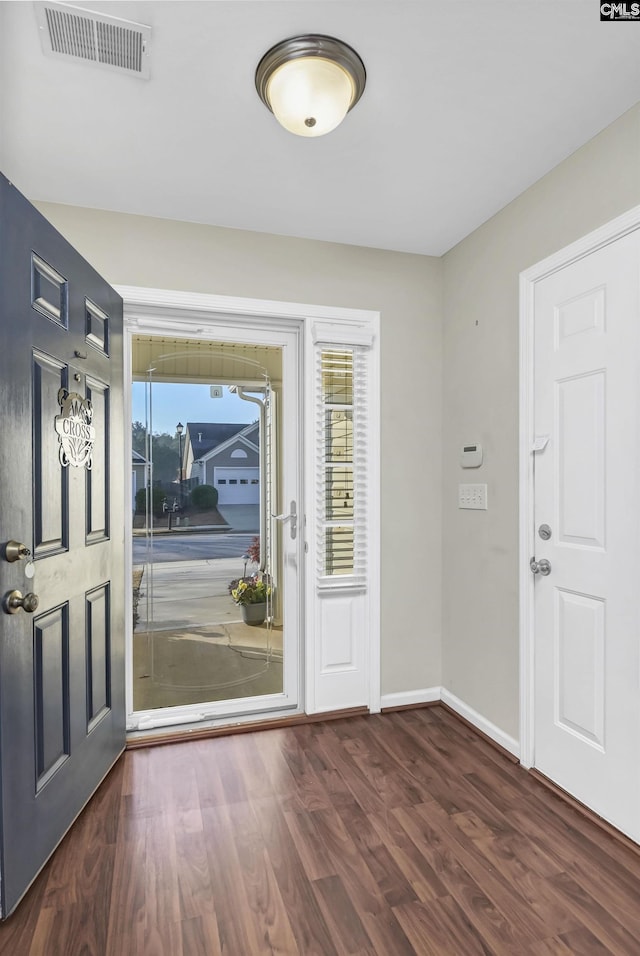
237 486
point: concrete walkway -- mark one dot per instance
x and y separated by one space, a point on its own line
190 644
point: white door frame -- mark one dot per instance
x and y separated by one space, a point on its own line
603 236
160 310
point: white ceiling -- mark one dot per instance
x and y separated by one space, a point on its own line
467 103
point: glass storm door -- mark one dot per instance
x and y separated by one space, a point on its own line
214 570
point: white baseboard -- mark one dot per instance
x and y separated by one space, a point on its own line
429 695
407 698
480 722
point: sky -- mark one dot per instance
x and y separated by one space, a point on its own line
174 402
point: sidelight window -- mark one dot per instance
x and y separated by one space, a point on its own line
341 464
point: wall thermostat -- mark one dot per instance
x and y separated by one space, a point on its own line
215 391
471 456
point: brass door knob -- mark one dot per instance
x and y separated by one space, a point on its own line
14 601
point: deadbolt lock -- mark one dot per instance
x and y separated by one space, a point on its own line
14 550
14 601
544 531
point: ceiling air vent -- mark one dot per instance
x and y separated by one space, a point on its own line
96 38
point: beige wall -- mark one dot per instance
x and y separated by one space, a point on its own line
475 400
480 594
407 291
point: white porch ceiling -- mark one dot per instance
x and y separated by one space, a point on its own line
468 102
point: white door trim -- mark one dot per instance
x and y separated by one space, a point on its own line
606 234
183 312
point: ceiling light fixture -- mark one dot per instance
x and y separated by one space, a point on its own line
310 83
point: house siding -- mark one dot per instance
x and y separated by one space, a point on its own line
224 460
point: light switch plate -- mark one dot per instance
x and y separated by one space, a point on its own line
472 497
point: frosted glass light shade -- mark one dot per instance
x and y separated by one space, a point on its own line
310 83
310 96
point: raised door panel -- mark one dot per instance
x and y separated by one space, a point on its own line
580 666
581 459
98 657
51 691
97 476
50 478
582 316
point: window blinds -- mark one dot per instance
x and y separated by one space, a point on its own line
341 463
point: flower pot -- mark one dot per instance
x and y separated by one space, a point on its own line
254 614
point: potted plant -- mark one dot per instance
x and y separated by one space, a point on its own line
251 595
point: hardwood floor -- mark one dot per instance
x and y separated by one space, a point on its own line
401 833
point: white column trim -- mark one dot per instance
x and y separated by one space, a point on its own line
140 301
374 609
526 521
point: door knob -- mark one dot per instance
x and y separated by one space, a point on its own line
14 601
542 567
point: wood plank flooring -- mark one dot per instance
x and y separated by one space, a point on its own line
402 833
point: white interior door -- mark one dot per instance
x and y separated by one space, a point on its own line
586 681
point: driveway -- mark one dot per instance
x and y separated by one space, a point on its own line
241 517
192 547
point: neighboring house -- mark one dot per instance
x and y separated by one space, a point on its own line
226 456
139 473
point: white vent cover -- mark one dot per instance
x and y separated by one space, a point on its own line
97 38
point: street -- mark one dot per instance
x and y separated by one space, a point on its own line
192 547
188 593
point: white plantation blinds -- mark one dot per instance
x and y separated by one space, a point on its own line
341 467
